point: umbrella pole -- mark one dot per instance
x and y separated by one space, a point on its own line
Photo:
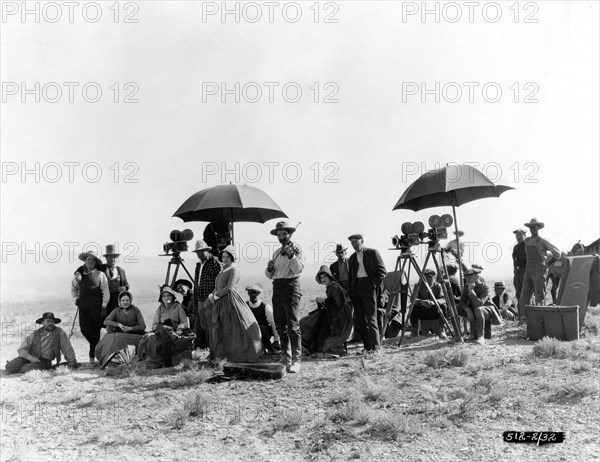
458 248
231 229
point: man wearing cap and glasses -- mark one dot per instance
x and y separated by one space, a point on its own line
366 275
40 348
284 268
207 270
519 260
534 279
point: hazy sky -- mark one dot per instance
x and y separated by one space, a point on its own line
336 115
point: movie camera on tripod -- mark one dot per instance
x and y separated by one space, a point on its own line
415 234
178 244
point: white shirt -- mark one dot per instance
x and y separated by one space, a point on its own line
361 273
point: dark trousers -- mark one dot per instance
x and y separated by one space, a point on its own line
90 323
364 300
286 303
519 274
21 365
265 332
202 324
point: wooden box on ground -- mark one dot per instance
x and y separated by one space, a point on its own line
561 322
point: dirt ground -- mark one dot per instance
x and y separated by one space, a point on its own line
426 400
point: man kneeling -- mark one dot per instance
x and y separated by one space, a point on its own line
424 308
40 348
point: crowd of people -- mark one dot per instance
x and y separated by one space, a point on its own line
213 315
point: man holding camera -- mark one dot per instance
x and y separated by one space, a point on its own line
284 269
207 270
366 275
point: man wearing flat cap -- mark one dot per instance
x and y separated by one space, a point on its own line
207 270
519 260
90 290
284 269
534 279
43 346
366 275
480 310
424 308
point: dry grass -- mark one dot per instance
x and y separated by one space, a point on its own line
447 357
195 404
552 348
572 391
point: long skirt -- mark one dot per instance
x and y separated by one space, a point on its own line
112 342
341 330
235 334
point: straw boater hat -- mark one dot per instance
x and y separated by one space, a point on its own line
48 316
230 250
535 222
111 251
283 225
83 256
201 245
324 270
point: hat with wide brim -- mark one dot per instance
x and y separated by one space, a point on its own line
520 231
167 289
499 284
83 256
254 288
230 250
535 222
201 246
340 248
283 225
48 316
111 251
185 282
323 270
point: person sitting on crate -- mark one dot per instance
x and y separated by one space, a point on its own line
505 303
424 308
479 308
41 347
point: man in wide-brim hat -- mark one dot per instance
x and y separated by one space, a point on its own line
534 279
284 269
90 290
207 270
43 346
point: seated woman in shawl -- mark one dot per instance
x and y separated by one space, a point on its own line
169 314
235 335
332 320
124 326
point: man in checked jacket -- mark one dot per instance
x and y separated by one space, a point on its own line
207 270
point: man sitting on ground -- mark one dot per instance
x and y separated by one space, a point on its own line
505 303
424 308
40 348
263 312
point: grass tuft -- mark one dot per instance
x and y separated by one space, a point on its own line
552 348
572 391
447 357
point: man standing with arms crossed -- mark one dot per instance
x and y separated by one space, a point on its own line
519 262
366 275
207 270
284 269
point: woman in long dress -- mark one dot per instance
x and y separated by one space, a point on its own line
235 334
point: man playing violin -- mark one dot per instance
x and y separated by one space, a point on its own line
284 269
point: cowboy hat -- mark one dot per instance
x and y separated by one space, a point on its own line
48 316
254 288
340 248
201 245
230 250
324 270
83 256
111 251
282 225
535 222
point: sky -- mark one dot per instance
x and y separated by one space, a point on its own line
112 116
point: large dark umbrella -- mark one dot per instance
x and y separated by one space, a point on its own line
452 185
230 203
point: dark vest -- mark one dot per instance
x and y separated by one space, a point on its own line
90 292
36 347
260 313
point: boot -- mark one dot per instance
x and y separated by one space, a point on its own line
487 331
286 358
473 331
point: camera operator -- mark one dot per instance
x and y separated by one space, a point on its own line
424 308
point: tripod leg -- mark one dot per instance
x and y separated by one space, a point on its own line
400 263
413 262
449 299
